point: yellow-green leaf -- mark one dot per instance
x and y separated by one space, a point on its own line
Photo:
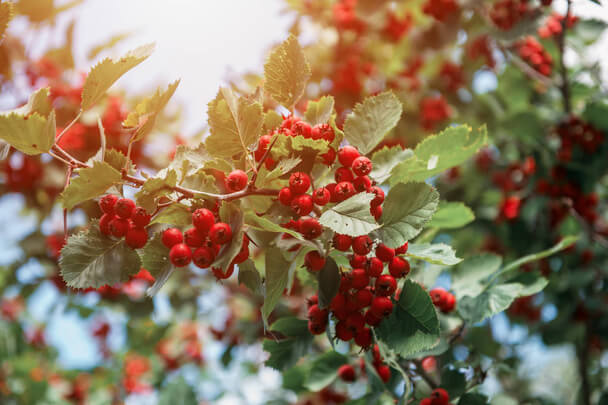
320 111
7 11
32 135
90 183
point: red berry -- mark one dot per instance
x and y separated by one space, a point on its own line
347 155
172 237
285 196
316 328
357 261
343 174
362 245
439 396
329 157
140 218
243 253
119 227
317 315
262 147
379 199
374 267
180 255
220 233
107 203
320 196
381 307
312 300
193 238
355 321
364 298
223 275
399 267
203 220
362 183
438 296
104 223
236 181
203 257
376 211
302 205
136 238
449 304
310 228
323 131
343 332
364 337
343 191
342 242
124 208
362 166
360 279
386 285
371 319
302 128
347 373
299 183
384 372
314 261
402 250
385 253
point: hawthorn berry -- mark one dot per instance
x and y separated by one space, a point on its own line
316 328
107 203
317 315
323 131
136 238
299 183
343 332
343 191
374 266
343 174
302 205
364 298
362 166
347 373
263 144
104 223
379 199
203 219
357 261
329 157
362 245
193 238
221 274
124 208
402 249
363 337
314 261
310 228
376 211
386 285
203 257
362 183
360 279
371 319
285 196
439 396
302 128
399 267
119 227
140 217
243 253
450 303
236 181
347 155
385 253
342 242
437 296
355 321
384 372
320 196
220 233
381 306
172 237
180 255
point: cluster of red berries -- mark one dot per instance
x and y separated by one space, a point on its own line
512 178
524 307
345 16
364 296
433 110
347 372
395 28
506 13
480 48
451 76
439 396
534 53
575 132
121 218
553 25
442 299
22 172
202 243
440 9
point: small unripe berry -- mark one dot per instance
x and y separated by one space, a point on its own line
136 238
381 307
310 228
374 267
203 257
180 255
119 227
343 174
362 245
385 253
193 238
347 155
302 205
124 208
107 203
172 237
320 196
342 242
220 233
203 220
362 166
347 373
285 196
140 217
399 267
104 223
299 183
236 181
386 285
314 261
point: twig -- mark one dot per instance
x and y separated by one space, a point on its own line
70 125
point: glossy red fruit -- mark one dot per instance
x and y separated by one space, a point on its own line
343 174
285 196
262 147
379 199
362 245
384 372
119 227
317 315
172 237
347 373
347 155
362 166
136 238
203 219
399 267
376 211
299 183
360 279
363 337
343 332
193 238
203 257
321 196
355 321
449 304
371 319
357 261
124 208
402 249
140 217
438 296
236 181
381 307
107 203
386 285
362 183
385 253
180 255
302 205
314 261
221 274
439 396
374 267
342 242
310 228
323 131
363 298
425 401
220 233
343 191
243 253
302 128
312 300
316 328
329 157
104 223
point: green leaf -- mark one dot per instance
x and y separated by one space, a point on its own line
413 326
473 399
91 259
90 183
31 134
324 370
155 257
272 120
177 391
154 188
320 111
146 112
263 224
235 125
372 120
175 214
437 253
267 178
39 102
7 11
250 277
286 72
407 208
468 278
351 217
290 326
108 71
277 274
286 353
438 153
385 160
329 282
451 215
453 381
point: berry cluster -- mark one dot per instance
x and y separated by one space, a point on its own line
442 299
533 52
122 218
440 9
345 17
22 172
573 133
347 372
524 307
439 396
451 76
395 28
553 25
506 13
480 48
433 110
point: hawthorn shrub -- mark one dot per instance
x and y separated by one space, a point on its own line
314 202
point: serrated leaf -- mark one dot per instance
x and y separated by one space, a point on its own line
154 188
116 159
272 120
290 326
451 215
385 160
90 183
407 208
468 277
440 152
7 11
413 325
39 102
351 217
32 135
146 112
320 111
155 256
286 72
324 370
275 281
372 120
286 353
437 253
108 71
329 282
263 224
91 259
250 277
175 214
108 44
265 177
